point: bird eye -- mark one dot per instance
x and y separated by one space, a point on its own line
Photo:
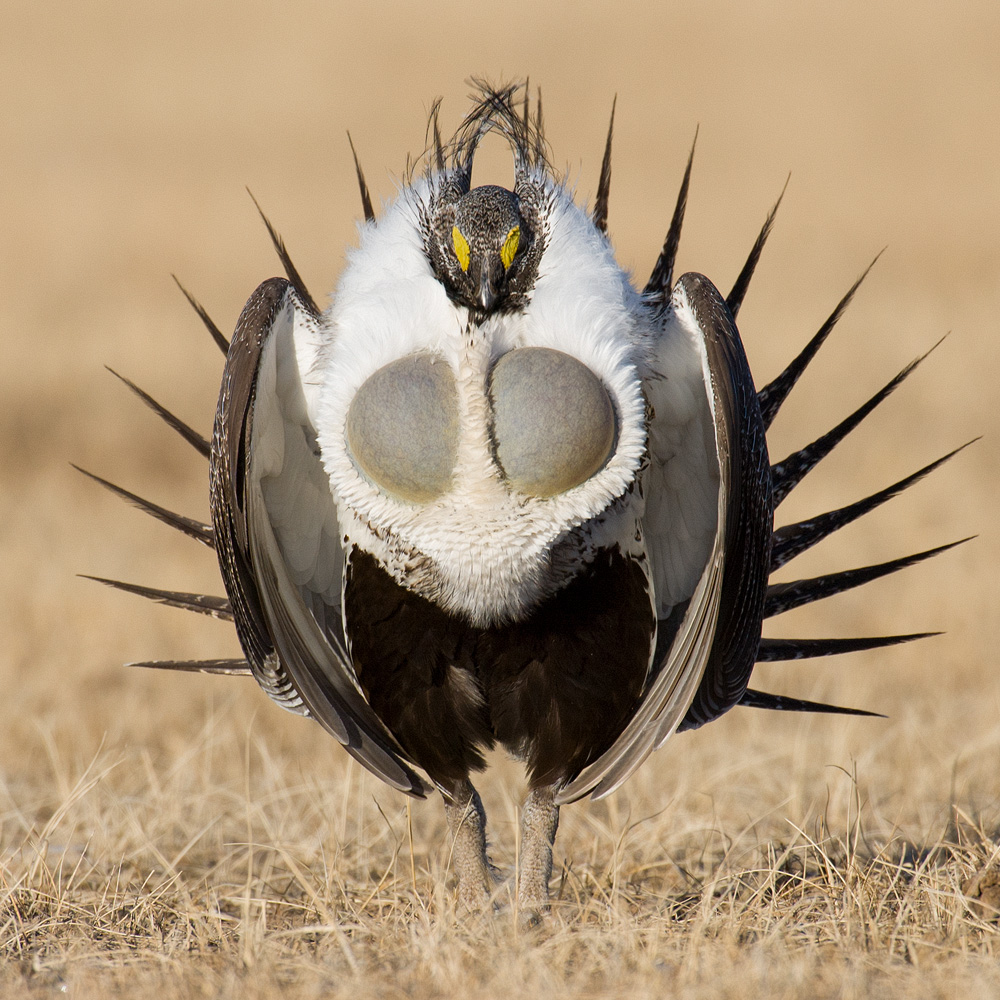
509 249
461 245
402 428
553 422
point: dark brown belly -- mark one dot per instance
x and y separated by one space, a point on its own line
556 688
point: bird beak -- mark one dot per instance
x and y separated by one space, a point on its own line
487 293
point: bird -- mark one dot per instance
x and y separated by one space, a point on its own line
497 495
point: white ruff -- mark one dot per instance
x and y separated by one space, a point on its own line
481 550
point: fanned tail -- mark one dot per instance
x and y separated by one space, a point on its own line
215 607
791 540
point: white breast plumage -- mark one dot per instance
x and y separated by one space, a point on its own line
486 551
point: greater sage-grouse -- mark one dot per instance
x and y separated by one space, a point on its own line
496 494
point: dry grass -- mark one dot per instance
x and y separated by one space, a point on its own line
195 879
174 837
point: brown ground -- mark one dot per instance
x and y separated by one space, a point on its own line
172 837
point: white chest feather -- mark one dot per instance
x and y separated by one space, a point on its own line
481 547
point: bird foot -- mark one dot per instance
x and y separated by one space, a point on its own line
477 877
539 820
479 888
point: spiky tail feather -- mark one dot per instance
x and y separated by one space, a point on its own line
779 703
661 281
291 271
783 597
204 604
775 392
366 198
734 300
193 438
231 668
198 530
788 473
793 539
600 214
217 335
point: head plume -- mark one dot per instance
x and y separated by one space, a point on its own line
493 110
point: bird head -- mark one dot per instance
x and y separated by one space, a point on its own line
480 249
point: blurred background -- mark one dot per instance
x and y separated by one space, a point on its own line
128 135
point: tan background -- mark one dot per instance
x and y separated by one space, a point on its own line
128 133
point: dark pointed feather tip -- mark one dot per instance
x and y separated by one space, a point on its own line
790 540
229 668
291 272
780 703
773 395
198 530
783 650
734 300
217 335
193 438
366 198
202 604
660 283
791 470
782 597
600 214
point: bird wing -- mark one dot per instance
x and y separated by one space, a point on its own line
746 492
703 417
277 531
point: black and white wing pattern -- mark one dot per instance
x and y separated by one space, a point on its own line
707 527
276 529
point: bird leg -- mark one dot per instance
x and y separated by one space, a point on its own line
467 822
539 820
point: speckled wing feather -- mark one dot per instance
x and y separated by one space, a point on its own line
711 622
746 481
270 503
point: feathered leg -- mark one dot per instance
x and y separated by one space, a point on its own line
539 821
467 822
